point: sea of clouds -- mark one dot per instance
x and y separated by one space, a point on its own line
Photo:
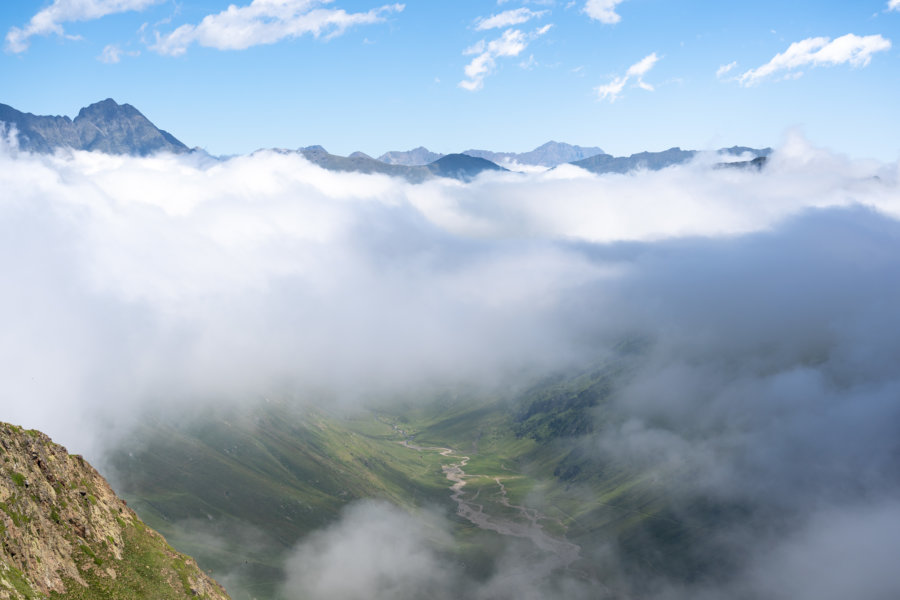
769 300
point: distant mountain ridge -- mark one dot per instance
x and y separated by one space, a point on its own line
105 126
416 157
114 128
654 161
453 166
551 154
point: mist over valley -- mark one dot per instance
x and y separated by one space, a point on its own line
325 380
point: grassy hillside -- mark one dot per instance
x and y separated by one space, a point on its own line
239 489
65 534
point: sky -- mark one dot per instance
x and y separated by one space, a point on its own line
376 75
767 299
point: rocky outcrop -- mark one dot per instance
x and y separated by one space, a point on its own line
65 534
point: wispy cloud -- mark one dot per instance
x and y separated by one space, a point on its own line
267 22
508 18
512 43
50 20
725 69
894 5
816 52
603 10
111 54
612 90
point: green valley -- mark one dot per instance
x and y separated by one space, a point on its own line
240 488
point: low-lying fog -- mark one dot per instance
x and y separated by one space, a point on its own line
770 300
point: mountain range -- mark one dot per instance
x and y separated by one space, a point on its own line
548 155
454 166
114 128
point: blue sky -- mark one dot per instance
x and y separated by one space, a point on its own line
375 75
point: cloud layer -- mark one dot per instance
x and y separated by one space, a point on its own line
766 301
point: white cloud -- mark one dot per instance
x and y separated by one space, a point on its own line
603 10
725 69
267 22
50 20
111 54
894 5
512 43
820 51
348 559
131 280
612 90
508 18
640 68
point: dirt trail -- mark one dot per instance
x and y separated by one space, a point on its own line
563 553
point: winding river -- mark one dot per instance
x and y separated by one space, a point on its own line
562 553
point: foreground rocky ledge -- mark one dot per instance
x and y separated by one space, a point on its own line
65 534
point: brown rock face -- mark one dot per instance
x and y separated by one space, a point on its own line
65 533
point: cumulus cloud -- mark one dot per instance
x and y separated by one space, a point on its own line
894 5
508 18
603 10
266 22
816 52
612 91
50 20
510 44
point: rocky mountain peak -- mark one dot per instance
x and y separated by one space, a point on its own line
107 110
105 126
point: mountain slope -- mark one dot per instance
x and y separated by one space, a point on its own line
238 490
462 167
105 126
65 534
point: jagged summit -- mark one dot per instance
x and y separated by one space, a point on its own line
104 126
107 109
